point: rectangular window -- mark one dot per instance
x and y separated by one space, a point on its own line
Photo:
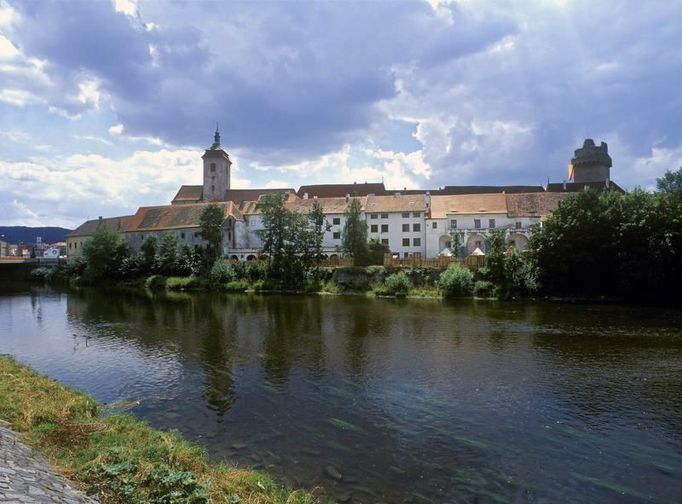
453 223
406 255
406 215
75 245
416 228
384 228
477 223
406 242
518 224
434 225
336 221
373 216
416 242
337 235
491 223
417 214
384 241
374 228
406 228
384 216
70 245
196 235
182 235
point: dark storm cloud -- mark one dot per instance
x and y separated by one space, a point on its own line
285 79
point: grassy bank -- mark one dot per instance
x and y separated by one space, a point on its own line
118 458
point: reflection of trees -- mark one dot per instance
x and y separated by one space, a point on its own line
218 350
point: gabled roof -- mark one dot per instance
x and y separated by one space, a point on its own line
240 195
396 203
110 223
341 190
442 206
452 190
533 204
189 194
158 218
580 186
329 205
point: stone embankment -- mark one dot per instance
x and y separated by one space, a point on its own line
26 478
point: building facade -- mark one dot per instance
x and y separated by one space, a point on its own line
409 222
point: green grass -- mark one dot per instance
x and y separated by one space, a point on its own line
118 458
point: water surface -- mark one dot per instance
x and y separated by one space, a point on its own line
411 401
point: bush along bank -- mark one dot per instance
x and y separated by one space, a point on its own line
118 458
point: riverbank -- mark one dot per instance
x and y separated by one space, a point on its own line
117 458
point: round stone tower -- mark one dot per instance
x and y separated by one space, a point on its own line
216 171
592 163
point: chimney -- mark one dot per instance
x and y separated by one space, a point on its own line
564 185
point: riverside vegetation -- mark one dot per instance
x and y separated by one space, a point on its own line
626 246
118 458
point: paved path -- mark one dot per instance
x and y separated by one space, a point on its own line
26 478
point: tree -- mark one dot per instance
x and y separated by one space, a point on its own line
377 250
316 217
455 242
354 238
211 221
495 257
167 258
276 222
104 253
149 250
670 182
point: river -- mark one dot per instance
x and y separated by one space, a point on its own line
407 400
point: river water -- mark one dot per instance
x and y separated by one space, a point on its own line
409 400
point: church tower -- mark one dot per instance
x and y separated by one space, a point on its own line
216 171
592 163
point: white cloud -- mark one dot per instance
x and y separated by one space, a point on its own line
127 7
7 48
66 190
116 130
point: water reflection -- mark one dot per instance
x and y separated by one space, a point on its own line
410 401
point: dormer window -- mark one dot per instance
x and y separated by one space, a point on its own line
212 167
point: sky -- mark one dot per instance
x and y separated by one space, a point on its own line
107 105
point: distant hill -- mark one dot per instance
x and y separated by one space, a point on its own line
23 234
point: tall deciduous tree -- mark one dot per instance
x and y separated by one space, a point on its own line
104 253
354 239
211 222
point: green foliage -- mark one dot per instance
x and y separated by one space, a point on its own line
376 251
167 258
608 243
211 221
189 261
149 249
44 273
104 253
221 273
354 236
236 286
155 282
456 281
495 256
455 242
484 289
398 284
182 283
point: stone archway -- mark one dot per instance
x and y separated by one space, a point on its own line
443 242
475 241
251 257
518 241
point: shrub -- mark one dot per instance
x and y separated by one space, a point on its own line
456 281
182 283
236 286
155 282
398 284
221 273
484 289
44 273
132 266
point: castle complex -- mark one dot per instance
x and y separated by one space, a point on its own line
409 222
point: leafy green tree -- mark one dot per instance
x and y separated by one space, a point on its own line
354 236
149 249
104 253
167 258
455 242
318 227
211 221
495 257
377 251
276 229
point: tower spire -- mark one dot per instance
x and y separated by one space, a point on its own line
216 137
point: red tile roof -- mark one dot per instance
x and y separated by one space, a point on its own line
111 223
158 218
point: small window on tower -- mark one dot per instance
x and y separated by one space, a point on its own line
212 167
212 188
